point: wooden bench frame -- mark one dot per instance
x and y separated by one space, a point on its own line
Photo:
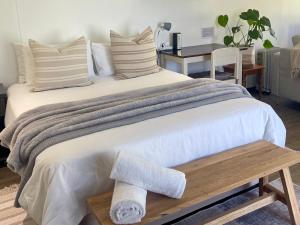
220 174
268 194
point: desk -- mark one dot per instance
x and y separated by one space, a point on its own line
187 55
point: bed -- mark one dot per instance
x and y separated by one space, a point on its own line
66 174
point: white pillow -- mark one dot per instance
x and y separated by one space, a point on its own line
26 66
90 62
103 59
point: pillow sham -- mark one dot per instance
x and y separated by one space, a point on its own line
25 63
102 59
134 57
60 67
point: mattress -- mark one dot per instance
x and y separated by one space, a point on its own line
68 173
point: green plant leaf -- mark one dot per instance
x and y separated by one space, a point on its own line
223 20
268 44
251 14
251 22
262 27
254 34
236 29
265 21
255 14
228 40
244 16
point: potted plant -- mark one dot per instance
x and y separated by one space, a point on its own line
249 28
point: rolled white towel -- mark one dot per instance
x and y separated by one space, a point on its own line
152 177
128 204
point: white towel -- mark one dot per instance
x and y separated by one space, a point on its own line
152 177
128 204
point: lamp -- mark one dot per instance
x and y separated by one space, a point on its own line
161 28
166 26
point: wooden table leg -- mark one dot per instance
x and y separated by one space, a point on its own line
184 67
290 195
260 81
262 182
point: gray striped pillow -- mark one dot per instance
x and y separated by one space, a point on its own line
60 68
134 57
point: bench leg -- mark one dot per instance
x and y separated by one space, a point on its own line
290 196
262 183
242 210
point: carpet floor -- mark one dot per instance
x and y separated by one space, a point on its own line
274 214
9 215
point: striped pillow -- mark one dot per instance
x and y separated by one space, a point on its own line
134 57
25 63
60 68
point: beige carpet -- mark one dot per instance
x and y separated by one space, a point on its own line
275 214
10 215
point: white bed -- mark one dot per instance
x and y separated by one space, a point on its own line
69 172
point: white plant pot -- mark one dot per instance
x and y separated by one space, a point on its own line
248 56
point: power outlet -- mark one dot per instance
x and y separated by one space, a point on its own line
207 32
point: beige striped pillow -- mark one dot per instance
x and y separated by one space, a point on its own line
134 57
60 67
25 63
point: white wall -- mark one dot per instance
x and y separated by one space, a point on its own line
8 33
60 20
52 21
290 23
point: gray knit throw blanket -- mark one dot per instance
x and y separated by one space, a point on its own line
36 130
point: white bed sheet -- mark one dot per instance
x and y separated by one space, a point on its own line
21 99
68 173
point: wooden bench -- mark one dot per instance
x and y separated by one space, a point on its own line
212 176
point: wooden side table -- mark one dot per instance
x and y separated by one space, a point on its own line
248 70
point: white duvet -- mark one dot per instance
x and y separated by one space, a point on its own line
68 173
